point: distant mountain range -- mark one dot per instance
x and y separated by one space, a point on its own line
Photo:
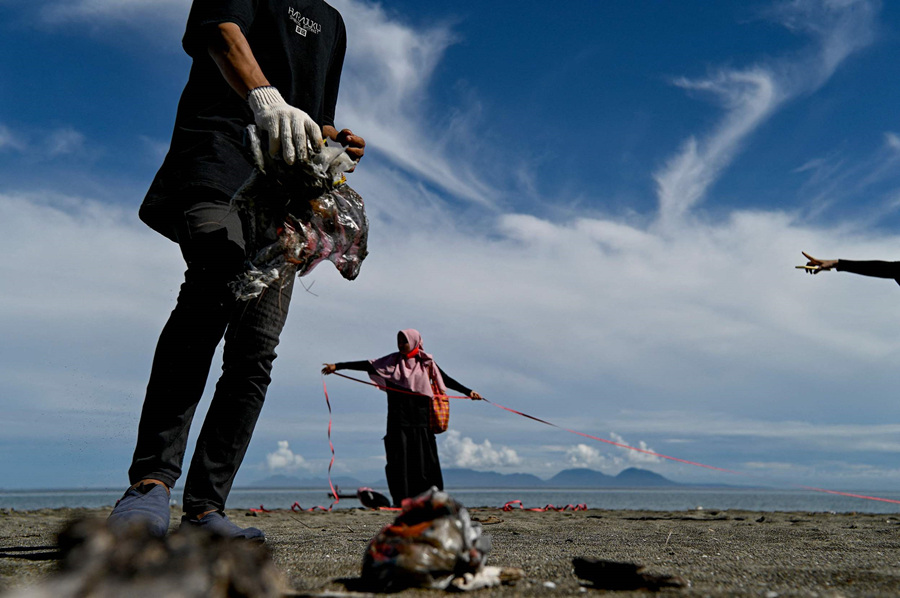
468 478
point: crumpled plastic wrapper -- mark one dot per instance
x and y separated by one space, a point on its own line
297 216
430 544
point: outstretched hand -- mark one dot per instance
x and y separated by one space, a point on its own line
329 368
814 265
475 396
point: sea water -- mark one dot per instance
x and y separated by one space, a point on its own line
656 499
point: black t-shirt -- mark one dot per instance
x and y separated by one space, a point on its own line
299 45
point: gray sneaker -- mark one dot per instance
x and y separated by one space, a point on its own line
219 524
146 505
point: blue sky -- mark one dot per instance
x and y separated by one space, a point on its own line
591 213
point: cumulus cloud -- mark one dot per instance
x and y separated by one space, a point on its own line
636 457
582 455
608 459
464 452
284 459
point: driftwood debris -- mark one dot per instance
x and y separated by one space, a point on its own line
97 563
613 575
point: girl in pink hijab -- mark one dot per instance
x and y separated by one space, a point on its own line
409 444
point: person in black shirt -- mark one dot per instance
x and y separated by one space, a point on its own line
876 268
409 444
246 54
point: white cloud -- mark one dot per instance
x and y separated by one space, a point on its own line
582 455
9 140
636 457
464 452
45 144
640 318
818 436
892 140
77 275
284 459
750 96
573 319
155 148
387 70
838 27
103 260
65 141
388 67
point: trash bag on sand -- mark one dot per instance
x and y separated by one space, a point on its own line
98 562
297 216
432 542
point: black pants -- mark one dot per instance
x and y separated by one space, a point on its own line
211 240
412 462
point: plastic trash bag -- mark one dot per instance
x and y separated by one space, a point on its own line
432 542
295 217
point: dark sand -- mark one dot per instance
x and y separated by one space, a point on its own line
721 553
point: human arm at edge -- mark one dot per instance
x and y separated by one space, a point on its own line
874 268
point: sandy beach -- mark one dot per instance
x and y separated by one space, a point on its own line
720 553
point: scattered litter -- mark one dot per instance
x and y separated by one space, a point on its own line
298 216
513 504
550 585
612 575
371 499
488 577
187 564
432 543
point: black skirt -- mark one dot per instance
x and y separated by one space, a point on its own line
412 462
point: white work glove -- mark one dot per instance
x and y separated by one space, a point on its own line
290 129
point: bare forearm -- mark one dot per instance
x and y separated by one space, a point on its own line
232 54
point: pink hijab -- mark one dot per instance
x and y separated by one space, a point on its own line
413 371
